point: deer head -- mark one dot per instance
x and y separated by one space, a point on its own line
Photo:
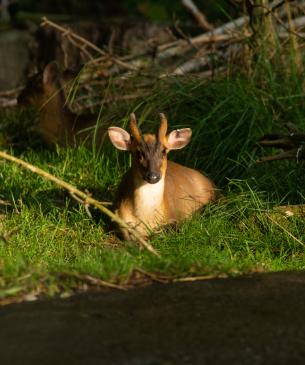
45 86
149 151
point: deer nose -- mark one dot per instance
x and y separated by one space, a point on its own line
152 177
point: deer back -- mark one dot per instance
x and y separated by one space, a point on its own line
186 191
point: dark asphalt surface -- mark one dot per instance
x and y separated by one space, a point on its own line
245 320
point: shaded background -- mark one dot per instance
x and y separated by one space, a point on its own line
154 10
24 47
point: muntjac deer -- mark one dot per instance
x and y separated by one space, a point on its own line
57 124
155 191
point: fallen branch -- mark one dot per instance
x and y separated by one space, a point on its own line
197 14
84 43
69 33
13 92
139 276
7 102
7 235
91 280
292 145
291 210
5 203
221 34
191 65
85 197
227 30
187 279
288 155
285 230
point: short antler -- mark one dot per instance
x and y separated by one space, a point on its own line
162 129
134 129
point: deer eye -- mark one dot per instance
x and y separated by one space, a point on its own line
139 155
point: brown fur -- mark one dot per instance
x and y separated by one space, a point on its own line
180 192
185 192
57 124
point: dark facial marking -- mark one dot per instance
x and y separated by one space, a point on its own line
149 156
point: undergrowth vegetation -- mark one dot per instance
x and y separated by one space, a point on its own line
48 241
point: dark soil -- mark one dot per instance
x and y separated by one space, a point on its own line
245 320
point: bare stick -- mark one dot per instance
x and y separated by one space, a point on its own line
227 30
81 47
198 278
194 64
72 36
288 155
13 92
220 34
7 102
291 210
82 195
285 230
3 202
70 33
91 280
86 205
197 14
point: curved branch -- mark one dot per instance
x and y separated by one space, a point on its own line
87 198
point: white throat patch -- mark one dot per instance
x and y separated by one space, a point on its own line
149 203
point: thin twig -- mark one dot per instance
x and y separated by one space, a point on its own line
187 279
86 198
84 42
8 102
12 92
70 33
4 202
6 235
80 201
184 36
159 278
226 31
82 48
197 14
287 26
285 230
96 281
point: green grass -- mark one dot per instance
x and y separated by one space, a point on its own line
52 239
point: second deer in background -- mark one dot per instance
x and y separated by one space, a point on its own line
57 124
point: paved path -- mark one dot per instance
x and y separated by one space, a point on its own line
258 320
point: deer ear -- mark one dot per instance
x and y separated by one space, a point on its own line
50 73
119 138
179 138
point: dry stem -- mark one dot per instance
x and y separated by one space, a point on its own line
8 103
68 32
73 38
197 14
285 230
